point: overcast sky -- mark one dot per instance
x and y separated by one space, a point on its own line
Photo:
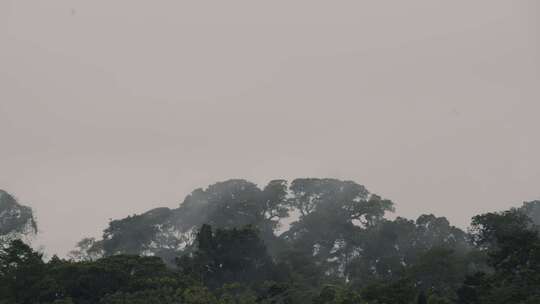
109 108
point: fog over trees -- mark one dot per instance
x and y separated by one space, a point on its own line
16 220
269 152
308 240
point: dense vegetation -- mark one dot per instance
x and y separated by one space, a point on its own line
308 241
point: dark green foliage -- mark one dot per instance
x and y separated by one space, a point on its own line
228 256
25 278
422 299
134 234
393 249
399 292
512 245
21 273
439 270
165 295
335 294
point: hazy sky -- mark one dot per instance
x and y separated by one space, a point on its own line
109 108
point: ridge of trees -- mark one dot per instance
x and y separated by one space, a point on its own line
226 244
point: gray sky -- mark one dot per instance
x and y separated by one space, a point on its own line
109 108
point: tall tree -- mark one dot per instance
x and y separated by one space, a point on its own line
511 241
332 215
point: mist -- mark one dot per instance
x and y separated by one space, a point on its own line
114 108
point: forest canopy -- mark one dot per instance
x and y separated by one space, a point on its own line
306 241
